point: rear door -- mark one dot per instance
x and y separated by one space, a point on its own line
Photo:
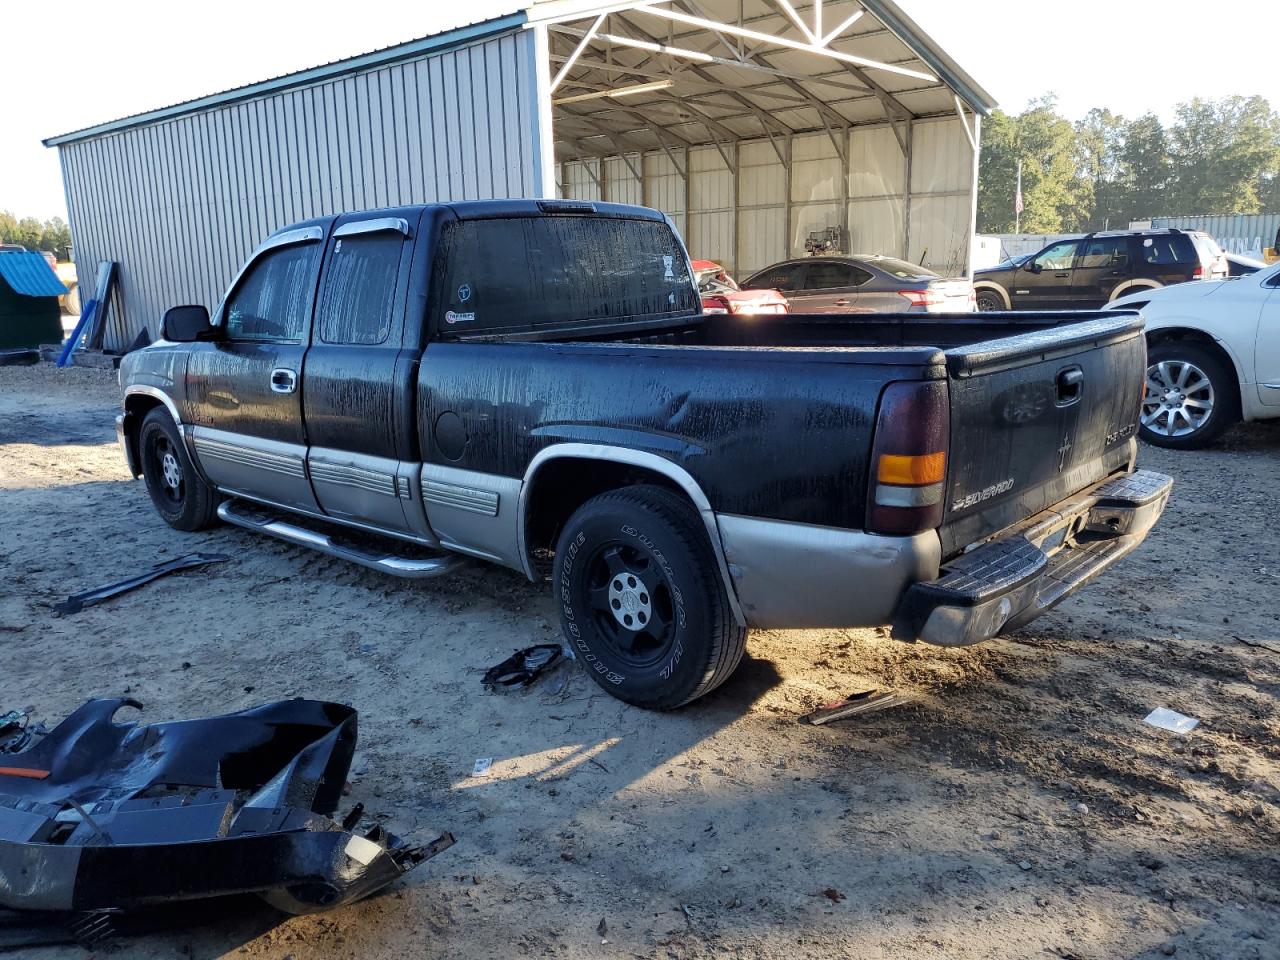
1036 418
1103 264
358 389
243 389
1044 281
1267 352
830 286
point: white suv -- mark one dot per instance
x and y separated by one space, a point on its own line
1214 356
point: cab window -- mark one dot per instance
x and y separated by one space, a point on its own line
1060 256
271 301
1105 252
359 289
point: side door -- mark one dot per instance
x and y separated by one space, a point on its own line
787 277
1267 351
1044 281
242 389
830 286
1103 264
357 385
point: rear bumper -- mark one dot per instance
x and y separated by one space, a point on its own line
1008 582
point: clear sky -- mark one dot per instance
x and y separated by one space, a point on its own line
81 62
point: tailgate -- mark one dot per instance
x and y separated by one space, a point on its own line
1037 417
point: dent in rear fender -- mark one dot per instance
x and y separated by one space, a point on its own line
638 458
794 575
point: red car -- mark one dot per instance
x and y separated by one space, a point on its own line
720 294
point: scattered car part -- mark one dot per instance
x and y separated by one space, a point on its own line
77 602
868 701
524 667
1171 720
14 731
132 817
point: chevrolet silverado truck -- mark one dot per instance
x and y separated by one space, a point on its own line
534 383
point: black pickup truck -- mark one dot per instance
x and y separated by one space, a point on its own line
533 383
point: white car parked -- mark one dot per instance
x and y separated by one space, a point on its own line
1213 356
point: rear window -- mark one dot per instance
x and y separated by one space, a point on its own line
525 272
1208 247
901 269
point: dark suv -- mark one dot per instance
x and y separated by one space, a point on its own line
1089 272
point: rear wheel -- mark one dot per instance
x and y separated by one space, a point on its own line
641 600
989 300
177 490
1189 398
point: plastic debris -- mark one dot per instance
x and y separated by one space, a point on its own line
100 818
868 701
77 602
1171 720
481 768
524 667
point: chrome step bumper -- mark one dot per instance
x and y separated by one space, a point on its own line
253 518
1008 582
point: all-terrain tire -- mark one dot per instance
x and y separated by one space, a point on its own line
179 493
987 299
1198 362
641 555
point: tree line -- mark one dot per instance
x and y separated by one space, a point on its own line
1216 157
53 234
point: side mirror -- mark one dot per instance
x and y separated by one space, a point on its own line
186 324
1034 267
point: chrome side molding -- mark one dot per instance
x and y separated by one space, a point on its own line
242 515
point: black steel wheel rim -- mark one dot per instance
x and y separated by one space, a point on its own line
631 602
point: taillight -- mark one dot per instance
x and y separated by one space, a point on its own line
922 298
1197 273
908 470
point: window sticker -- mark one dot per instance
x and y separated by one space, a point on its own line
454 317
667 264
464 292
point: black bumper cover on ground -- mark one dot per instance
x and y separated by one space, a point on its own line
105 816
1010 581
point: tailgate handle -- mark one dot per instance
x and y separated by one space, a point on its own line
1070 381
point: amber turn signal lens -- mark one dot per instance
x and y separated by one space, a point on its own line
912 471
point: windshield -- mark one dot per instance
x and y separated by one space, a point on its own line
901 269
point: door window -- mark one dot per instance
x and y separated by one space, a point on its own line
272 299
1106 252
830 276
359 288
1060 256
786 277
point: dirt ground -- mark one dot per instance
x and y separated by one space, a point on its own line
1019 807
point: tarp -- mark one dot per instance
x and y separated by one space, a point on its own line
29 274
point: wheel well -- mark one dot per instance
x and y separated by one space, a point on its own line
990 285
566 483
136 408
1201 339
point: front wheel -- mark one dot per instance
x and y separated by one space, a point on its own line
179 493
1189 399
641 600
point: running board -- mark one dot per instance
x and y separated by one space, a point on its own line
234 512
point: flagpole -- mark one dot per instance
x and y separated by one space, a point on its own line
1017 203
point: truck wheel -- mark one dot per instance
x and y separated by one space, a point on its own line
1190 397
641 601
180 495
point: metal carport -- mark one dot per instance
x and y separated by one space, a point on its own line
754 123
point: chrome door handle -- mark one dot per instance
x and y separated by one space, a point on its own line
284 380
842 302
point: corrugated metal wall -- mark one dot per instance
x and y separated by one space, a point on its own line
930 223
1245 234
179 204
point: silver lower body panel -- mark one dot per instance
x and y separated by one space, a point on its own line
796 575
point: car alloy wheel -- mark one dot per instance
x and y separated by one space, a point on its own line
632 603
1179 398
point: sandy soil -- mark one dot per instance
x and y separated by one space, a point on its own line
1018 808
